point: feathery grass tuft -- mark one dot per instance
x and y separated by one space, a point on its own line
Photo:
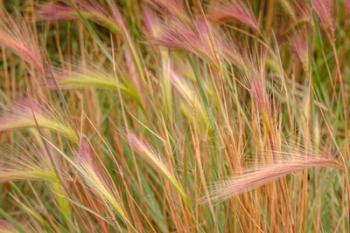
154 160
233 11
28 114
266 174
17 37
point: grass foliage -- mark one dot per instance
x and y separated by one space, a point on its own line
174 116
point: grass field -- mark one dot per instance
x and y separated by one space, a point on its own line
174 116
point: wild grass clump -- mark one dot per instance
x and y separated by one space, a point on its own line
174 116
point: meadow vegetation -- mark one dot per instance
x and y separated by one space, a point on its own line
174 116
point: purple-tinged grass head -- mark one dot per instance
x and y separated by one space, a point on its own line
259 93
174 8
151 22
53 12
17 37
198 38
266 174
299 45
91 10
324 12
233 11
5 226
347 6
